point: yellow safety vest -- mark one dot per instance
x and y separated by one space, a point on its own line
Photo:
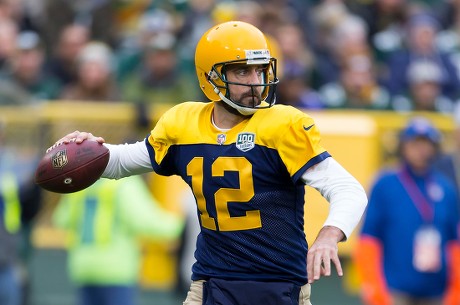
10 193
104 192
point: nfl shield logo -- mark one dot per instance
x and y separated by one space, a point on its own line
221 139
245 141
59 159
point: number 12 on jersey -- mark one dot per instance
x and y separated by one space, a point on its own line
224 221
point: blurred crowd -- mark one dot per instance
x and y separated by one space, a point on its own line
399 55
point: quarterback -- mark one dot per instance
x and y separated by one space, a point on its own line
247 162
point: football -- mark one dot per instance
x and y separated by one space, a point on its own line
71 167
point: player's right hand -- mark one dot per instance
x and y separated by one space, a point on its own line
78 137
323 252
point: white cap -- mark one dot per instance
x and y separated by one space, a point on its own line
96 52
421 71
156 21
162 41
27 40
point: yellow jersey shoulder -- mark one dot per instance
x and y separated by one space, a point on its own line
180 120
279 121
281 115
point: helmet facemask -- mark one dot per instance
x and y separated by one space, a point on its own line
263 93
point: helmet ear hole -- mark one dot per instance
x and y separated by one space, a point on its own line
212 75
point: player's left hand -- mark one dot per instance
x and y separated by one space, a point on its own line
324 251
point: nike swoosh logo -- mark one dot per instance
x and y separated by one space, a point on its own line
309 127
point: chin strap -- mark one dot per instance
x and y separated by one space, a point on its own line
452 295
369 263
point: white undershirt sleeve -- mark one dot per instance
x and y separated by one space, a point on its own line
127 160
345 194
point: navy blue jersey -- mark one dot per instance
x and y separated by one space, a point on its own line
246 182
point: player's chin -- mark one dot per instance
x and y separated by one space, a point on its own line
251 101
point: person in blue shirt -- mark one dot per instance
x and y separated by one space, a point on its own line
409 239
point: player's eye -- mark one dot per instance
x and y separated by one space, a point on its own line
242 71
261 71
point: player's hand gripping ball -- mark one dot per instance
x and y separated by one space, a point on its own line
71 167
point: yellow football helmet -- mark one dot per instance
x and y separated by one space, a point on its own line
234 42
